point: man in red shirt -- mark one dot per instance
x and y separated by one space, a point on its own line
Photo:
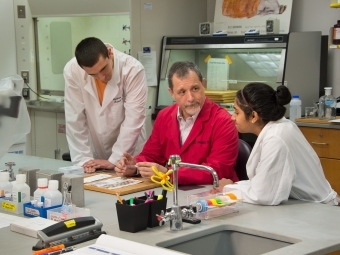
195 128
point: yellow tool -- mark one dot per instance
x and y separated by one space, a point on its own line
162 179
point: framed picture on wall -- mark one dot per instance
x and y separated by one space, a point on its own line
239 16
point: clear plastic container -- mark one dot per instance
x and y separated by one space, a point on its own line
213 205
53 196
327 105
295 108
57 215
5 185
21 191
41 190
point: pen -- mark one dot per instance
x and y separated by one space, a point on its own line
68 249
49 249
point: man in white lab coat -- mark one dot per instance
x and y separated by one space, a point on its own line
105 99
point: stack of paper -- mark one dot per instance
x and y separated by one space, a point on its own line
224 96
31 226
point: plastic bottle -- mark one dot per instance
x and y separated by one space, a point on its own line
336 33
21 191
295 108
5 185
42 188
327 105
52 196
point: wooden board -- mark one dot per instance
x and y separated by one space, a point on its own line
315 120
146 184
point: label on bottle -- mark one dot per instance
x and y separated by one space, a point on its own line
329 102
47 202
336 33
17 197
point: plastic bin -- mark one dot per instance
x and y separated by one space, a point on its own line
56 214
213 205
156 206
33 211
133 218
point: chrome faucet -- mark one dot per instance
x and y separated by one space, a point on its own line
176 214
10 170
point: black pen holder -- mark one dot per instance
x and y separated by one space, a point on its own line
156 206
133 218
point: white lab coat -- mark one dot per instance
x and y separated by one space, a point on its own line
105 132
282 164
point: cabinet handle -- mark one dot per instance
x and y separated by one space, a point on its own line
319 143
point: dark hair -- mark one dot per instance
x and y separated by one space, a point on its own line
181 69
267 102
89 50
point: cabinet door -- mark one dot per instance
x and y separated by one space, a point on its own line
62 145
324 141
45 129
331 168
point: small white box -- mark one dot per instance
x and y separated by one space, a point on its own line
31 226
56 214
71 170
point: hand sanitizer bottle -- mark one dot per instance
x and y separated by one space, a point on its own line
327 105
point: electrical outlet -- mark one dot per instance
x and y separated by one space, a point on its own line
25 75
26 93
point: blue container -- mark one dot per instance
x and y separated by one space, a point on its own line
33 211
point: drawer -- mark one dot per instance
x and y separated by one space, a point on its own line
325 141
331 168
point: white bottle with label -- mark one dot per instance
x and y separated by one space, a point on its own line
41 190
295 108
21 191
5 185
53 196
327 105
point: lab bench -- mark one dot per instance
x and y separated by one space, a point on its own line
301 227
323 137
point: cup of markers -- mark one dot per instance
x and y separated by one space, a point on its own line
132 215
157 204
138 213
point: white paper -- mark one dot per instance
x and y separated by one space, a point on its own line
110 245
115 183
7 219
96 177
148 60
31 226
218 74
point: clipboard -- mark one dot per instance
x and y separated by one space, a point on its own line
146 184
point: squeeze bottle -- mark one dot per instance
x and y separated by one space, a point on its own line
52 196
21 191
42 188
5 185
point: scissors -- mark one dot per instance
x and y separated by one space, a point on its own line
162 179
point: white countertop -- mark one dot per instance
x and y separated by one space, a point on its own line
313 228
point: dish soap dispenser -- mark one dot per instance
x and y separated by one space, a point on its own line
327 105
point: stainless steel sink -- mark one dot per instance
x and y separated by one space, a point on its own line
231 242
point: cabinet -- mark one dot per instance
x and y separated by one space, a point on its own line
48 134
325 143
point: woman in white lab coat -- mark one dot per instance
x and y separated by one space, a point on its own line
282 163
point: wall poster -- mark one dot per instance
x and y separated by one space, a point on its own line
238 16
